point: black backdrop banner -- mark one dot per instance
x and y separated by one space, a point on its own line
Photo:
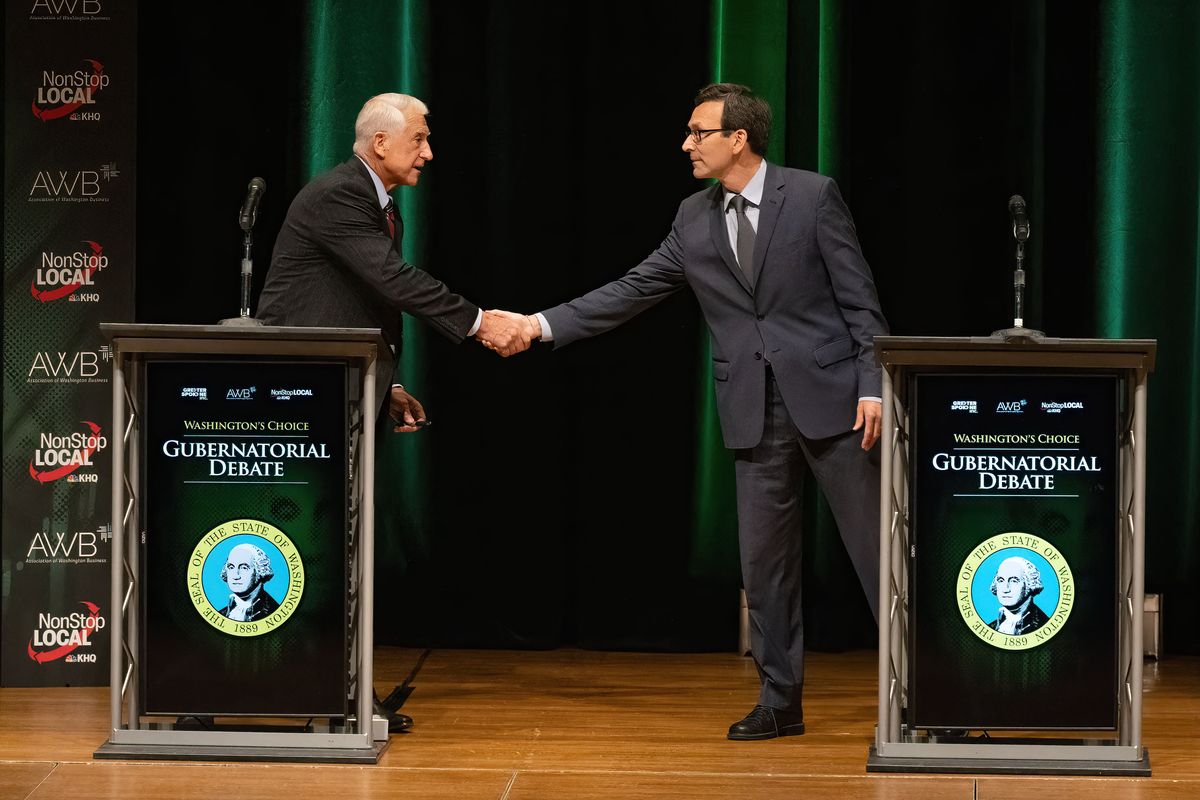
70 122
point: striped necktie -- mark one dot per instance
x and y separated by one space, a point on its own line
390 211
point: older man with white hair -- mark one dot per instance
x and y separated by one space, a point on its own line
338 261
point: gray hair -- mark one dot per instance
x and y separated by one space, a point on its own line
384 112
1029 574
261 564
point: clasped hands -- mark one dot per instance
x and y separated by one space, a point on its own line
507 333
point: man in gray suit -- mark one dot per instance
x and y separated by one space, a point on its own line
772 256
337 260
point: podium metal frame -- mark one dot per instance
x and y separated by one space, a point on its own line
361 737
900 749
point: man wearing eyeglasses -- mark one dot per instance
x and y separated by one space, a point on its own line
773 259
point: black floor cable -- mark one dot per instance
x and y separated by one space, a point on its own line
397 696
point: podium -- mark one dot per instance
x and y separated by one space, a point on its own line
1012 553
242 541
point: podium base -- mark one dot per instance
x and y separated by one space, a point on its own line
230 742
944 765
183 752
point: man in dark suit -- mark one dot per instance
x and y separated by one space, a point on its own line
337 259
772 257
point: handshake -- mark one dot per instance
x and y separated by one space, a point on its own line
506 333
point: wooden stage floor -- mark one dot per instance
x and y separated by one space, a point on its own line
576 724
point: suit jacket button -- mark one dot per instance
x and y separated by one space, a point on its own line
758 356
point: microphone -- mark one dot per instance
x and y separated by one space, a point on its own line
254 193
1020 218
1020 222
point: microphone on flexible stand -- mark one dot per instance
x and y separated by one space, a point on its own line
249 213
1020 220
247 216
1019 215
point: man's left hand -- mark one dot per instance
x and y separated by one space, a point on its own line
870 419
405 410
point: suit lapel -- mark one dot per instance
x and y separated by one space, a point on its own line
720 237
768 214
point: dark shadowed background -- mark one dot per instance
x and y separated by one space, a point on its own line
582 497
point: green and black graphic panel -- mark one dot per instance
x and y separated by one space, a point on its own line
1013 566
245 554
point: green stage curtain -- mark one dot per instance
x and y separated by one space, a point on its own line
357 50
1148 278
790 53
811 60
583 496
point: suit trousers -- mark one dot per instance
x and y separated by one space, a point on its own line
769 483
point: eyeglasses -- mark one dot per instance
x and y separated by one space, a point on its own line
698 135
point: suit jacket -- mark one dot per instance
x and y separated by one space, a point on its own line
336 265
812 313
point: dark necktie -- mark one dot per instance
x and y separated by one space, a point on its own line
745 237
390 211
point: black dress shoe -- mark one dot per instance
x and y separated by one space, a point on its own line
767 723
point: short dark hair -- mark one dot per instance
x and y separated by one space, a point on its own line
743 109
